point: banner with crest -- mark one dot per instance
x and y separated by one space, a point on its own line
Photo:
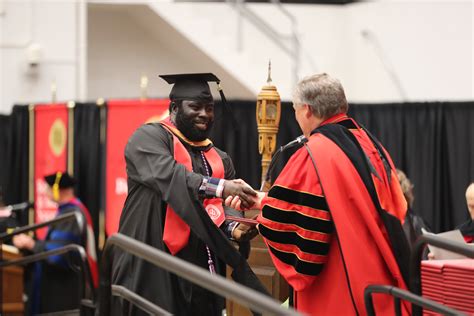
123 118
50 156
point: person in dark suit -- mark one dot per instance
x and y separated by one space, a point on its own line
467 228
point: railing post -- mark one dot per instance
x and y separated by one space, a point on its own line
398 310
85 271
369 304
105 287
80 220
215 283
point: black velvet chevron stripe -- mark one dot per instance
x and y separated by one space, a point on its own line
303 267
305 245
303 221
300 198
348 123
352 148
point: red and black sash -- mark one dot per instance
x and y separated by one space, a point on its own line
340 134
176 231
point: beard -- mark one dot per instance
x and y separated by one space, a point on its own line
186 126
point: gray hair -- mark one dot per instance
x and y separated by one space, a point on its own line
406 186
323 93
470 190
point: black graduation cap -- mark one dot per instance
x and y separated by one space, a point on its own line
191 86
62 179
194 86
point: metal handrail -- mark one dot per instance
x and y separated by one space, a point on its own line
142 303
416 255
85 275
59 219
72 216
398 294
215 283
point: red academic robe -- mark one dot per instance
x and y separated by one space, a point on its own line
329 242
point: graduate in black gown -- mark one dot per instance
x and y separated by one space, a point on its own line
175 175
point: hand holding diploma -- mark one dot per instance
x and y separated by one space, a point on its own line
246 229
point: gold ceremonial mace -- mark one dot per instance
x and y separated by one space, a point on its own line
268 119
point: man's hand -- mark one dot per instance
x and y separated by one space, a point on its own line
240 189
23 241
236 203
243 232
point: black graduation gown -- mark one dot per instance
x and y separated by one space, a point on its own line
155 179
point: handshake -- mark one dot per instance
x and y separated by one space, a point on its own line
240 196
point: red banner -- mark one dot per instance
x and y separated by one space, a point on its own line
123 118
51 125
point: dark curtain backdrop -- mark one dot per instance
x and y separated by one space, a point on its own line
5 140
14 162
241 142
432 142
87 162
14 130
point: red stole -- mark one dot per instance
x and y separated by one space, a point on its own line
90 243
176 231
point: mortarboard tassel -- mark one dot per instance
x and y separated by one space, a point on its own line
227 107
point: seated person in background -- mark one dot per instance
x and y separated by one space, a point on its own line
467 228
413 222
55 285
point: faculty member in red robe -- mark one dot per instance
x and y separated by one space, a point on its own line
332 219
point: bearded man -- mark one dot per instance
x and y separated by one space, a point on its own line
176 182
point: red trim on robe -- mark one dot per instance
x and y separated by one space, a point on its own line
303 233
90 242
305 210
304 256
368 257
